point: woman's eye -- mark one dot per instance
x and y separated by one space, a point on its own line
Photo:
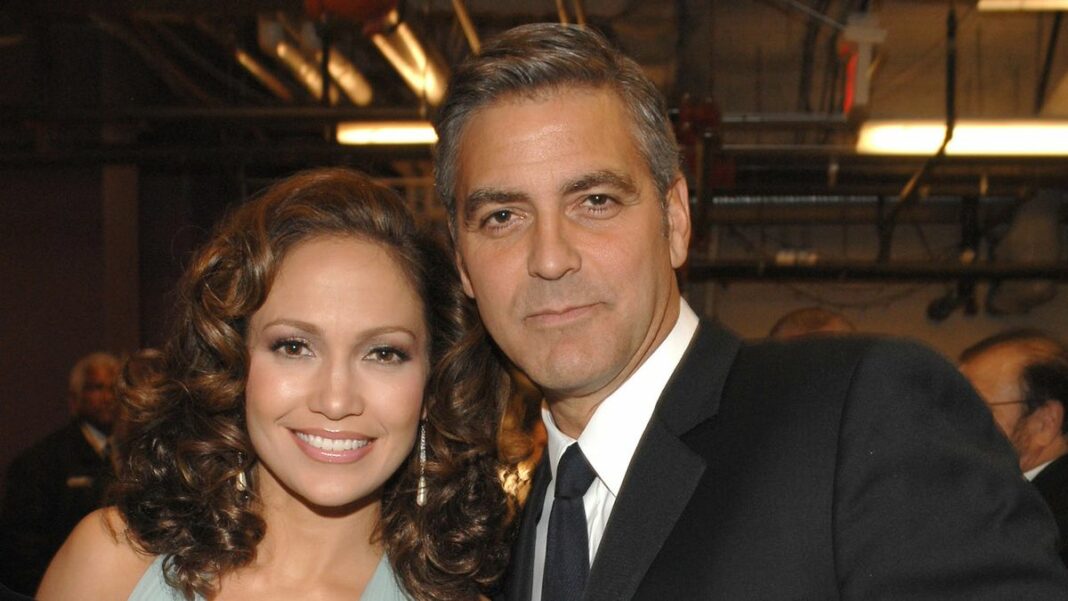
291 347
388 354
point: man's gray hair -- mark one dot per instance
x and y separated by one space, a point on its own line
530 60
78 372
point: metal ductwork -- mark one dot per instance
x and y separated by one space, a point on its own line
1033 238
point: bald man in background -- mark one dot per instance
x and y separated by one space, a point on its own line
1022 375
52 485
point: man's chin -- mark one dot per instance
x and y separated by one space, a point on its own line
569 382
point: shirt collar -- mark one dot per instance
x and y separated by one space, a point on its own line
1031 473
613 433
96 439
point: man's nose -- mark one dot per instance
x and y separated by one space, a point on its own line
553 253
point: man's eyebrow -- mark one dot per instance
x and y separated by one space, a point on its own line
481 197
604 177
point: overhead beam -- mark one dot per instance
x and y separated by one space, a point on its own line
869 271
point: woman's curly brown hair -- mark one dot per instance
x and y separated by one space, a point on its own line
188 442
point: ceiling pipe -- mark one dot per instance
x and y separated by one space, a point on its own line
910 193
840 271
467 26
251 64
561 12
168 71
190 54
813 14
1047 66
273 41
310 114
262 74
580 13
342 71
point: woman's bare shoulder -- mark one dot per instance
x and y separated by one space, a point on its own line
96 561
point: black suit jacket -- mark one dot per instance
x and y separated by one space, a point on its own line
1052 484
49 488
832 468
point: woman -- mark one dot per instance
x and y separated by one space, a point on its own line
283 447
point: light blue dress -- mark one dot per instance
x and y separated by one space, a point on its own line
153 586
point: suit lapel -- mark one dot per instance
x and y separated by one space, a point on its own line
664 472
520 577
1052 478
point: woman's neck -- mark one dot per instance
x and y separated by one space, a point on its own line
308 548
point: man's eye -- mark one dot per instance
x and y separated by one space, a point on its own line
498 218
600 206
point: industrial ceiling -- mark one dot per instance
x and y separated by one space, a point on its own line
767 96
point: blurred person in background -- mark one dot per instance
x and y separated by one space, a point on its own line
1022 375
55 483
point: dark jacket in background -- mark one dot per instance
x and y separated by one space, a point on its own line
49 488
1052 484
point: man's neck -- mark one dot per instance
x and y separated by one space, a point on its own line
571 413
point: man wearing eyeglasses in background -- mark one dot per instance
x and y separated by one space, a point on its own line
1022 375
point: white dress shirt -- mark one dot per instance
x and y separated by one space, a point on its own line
96 439
611 436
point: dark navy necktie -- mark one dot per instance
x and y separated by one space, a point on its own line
567 562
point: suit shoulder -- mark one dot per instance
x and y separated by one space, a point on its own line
825 355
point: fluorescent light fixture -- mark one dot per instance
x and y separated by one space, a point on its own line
1023 5
307 72
971 137
425 76
348 77
386 132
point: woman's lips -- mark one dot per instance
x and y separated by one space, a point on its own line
333 447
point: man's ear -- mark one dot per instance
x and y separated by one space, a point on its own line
1048 420
464 280
678 220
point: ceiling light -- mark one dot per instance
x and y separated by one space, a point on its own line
386 132
307 72
423 73
971 137
1023 5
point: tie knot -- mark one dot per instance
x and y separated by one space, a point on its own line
574 474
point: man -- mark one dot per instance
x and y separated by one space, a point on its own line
55 483
847 468
1023 377
810 321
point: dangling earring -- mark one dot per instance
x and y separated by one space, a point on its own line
420 492
241 481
